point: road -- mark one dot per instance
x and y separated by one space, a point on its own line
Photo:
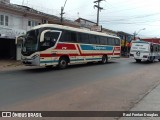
116 86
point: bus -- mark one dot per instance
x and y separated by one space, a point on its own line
145 51
56 45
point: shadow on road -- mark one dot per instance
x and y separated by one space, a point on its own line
144 62
43 69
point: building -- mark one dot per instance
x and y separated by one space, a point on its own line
154 40
15 20
87 24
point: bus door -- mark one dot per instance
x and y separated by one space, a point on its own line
51 38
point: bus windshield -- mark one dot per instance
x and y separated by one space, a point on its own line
140 46
30 43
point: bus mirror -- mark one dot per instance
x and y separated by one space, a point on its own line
42 35
19 40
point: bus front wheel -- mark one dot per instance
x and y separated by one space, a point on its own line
104 59
63 63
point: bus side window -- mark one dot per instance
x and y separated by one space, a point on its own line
102 40
69 36
106 41
54 37
113 41
109 41
98 39
46 42
73 37
83 38
93 39
63 37
117 42
50 39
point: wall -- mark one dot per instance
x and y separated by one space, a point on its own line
5 1
17 25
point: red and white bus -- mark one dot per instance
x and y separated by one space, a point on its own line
56 45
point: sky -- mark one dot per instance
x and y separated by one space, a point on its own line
140 16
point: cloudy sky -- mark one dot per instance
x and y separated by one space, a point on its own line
120 15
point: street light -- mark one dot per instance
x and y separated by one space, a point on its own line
136 33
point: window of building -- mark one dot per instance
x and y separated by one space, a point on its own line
32 23
1 19
4 20
29 23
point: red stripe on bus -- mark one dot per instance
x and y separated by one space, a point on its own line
46 55
117 48
116 53
63 46
88 54
79 50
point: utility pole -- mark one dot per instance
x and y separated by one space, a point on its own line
23 2
98 9
62 12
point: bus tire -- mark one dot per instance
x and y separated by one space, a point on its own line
138 60
63 63
159 60
104 59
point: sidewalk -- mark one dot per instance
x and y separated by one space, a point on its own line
10 64
151 102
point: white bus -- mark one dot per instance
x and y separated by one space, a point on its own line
145 51
56 45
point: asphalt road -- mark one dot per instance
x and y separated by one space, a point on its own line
118 85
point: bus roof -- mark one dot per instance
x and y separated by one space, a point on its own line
72 29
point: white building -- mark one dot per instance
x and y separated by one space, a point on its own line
90 25
15 20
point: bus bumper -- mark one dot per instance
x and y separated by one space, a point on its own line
33 61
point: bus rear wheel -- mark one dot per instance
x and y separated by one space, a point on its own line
104 59
63 63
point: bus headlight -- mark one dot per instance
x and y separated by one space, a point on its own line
35 56
131 55
145 56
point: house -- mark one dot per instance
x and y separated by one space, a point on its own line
87 24
154 40
15 20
